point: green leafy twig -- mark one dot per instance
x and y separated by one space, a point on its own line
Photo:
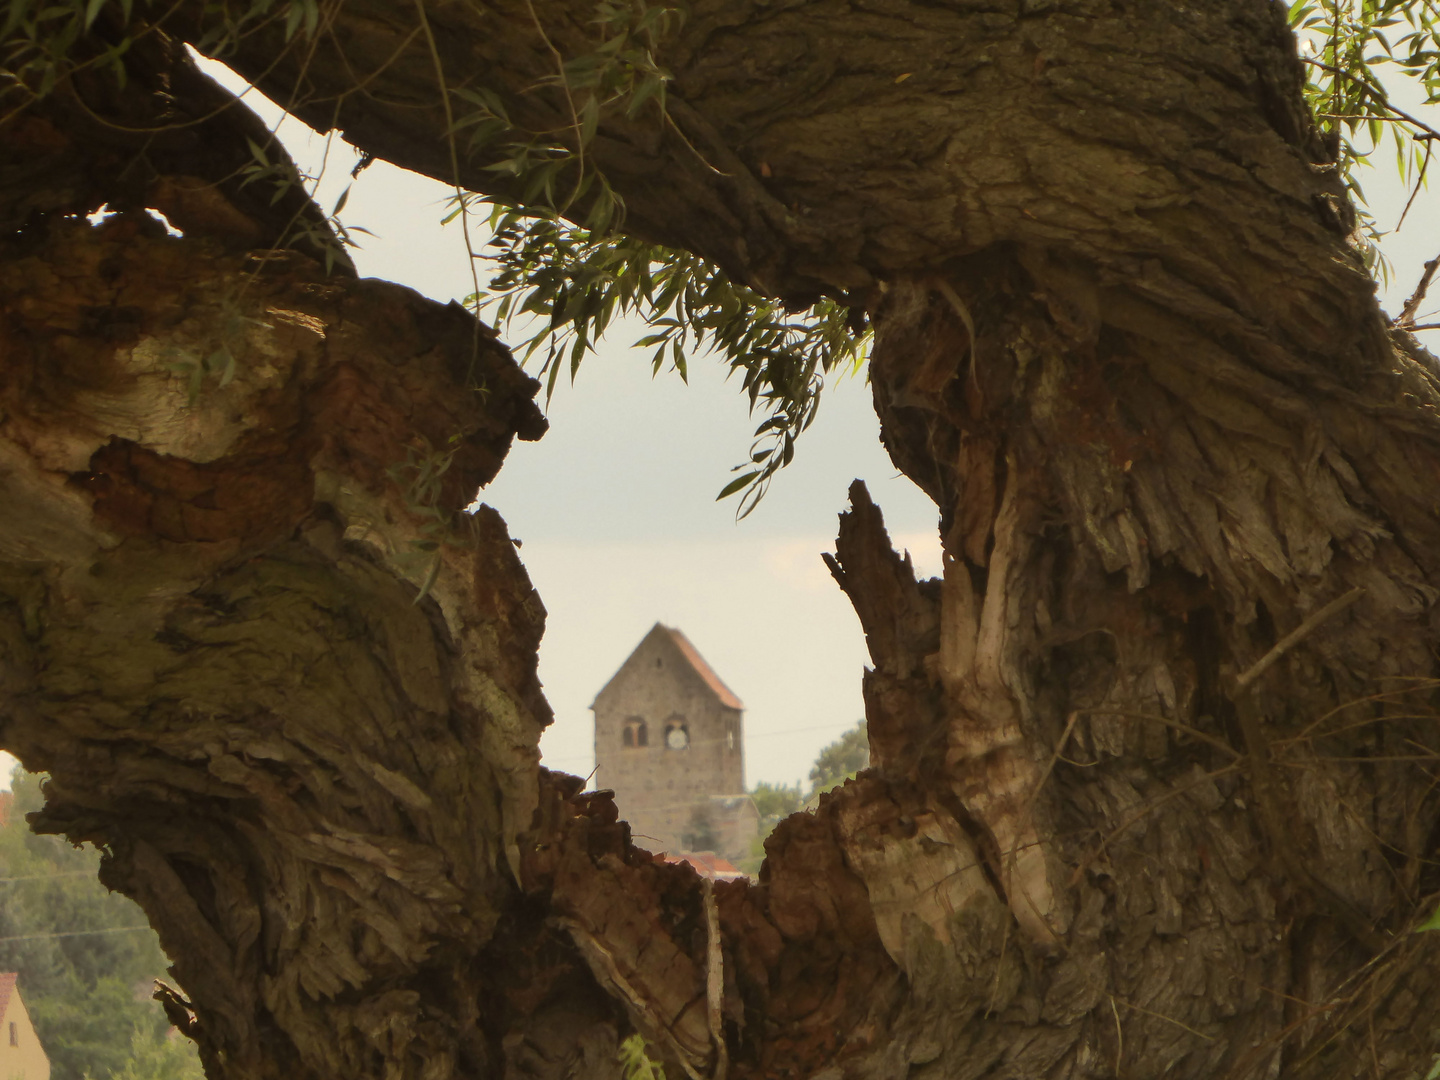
635 1062
575 282
330 238
1352 42
38 37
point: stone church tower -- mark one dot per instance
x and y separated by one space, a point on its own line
669 741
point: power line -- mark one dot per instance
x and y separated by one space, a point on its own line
715 742
47 877
74 933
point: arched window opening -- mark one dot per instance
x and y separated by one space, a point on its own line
635 734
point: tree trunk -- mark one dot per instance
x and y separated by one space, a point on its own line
1153 762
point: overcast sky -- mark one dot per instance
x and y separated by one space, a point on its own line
616 509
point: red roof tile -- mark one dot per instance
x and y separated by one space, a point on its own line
707 864
704 670
7 988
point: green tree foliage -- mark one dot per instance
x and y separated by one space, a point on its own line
774 802
1358 53
170 1057
86 958
841 760
836 763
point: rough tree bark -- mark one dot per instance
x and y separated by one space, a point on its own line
1153 762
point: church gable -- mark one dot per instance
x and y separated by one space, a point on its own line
698 665
665 655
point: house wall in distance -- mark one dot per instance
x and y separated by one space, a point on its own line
21 1055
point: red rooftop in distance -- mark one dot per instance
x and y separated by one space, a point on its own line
708 865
